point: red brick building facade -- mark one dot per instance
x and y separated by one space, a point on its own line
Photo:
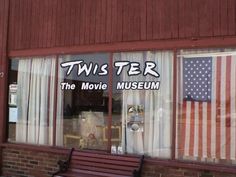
57 28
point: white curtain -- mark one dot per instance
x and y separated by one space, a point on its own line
36 83
155 140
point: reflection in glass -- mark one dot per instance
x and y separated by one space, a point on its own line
145 116
85 111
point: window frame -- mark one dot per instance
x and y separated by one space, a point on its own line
219 51
123 47
109 118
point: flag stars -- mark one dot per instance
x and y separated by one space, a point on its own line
198 80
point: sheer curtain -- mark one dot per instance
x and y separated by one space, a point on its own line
35 103
155 140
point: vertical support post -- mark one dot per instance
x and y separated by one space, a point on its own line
109 122
55 103
173 155
4 28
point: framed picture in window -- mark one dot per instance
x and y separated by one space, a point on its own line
116 133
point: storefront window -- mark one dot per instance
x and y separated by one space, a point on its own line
141 111
31 95
207 106
83 120
139 85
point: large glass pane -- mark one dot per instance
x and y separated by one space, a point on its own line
142 103
31 95
207 106
83 121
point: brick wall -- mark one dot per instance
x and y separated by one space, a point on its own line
25 163
161 171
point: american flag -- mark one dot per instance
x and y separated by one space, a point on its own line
208 108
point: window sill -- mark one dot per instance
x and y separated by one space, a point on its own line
38 148
191 165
